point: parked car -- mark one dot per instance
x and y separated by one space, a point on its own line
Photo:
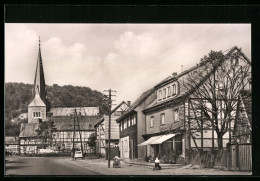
78 154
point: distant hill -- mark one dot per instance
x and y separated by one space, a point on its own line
19 95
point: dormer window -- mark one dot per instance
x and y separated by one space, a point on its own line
160 95
164 93
174 91
169 91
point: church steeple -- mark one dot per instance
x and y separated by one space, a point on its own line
39 81
37 109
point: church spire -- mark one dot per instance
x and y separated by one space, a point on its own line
39 81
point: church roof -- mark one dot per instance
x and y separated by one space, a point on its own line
37 101
39 81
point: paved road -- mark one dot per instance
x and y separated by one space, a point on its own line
16 165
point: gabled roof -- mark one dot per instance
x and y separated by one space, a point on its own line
28 129
139 101
119 105
37 101
112 112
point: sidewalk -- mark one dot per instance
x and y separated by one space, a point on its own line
136 168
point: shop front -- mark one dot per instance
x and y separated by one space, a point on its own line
167 147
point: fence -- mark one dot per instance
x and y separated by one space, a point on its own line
239 157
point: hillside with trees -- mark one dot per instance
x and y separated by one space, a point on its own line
19 95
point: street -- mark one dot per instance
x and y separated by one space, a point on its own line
16 165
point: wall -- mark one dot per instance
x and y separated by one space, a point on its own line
141 125
41 109
114 127
157 119
131 134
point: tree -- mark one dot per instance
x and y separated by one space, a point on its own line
92 141
44 132
215 88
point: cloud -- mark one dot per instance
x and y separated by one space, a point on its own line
130 58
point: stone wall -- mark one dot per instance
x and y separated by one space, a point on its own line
41 109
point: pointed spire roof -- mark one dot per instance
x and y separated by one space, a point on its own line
39 81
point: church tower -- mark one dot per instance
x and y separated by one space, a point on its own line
37 109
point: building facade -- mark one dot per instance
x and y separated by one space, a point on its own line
101 129
175 124
132 127
12 144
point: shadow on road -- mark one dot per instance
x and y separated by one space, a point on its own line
6 161
15 167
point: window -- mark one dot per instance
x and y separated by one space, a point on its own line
173 89
151 121
160 94
68 134
125 124
164 93
169 91
128 121
36 114
121 127
163 118
176 115
134 119
58 135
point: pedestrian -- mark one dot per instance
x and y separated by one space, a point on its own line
157 164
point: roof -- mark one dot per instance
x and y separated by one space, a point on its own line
37 101
184 94
39 81
123 102
11 140
114 112
66 111
28 129
67 122
139 101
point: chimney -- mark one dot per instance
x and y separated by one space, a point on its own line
129 103
174 74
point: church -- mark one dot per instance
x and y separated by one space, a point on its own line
67 129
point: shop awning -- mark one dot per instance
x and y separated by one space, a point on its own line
147 142
162 139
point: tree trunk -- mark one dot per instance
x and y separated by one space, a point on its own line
220 141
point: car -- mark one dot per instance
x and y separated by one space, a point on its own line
78 154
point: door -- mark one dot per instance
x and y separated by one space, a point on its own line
233 157
131 149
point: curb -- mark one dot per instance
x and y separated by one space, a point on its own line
152 166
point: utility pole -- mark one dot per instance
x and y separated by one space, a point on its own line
73 148
109 121
79 131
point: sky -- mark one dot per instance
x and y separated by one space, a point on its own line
128 58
